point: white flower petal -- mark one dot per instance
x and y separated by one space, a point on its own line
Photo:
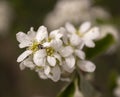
64 35
41 33
70 28
24 55
42 74
86 66
89 43
24 44
22 66
31 34
56 44
55 34
75 40
39 57
67 68
29 63
56 72
70 61
66 51
40 62
51 60
81 46
23 39
80 54
47 70
40 53
46 44
92 34
84 27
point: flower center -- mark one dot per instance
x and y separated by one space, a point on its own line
35 46
50 51
79 33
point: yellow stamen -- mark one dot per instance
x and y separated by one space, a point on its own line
49 51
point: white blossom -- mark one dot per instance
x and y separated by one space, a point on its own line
42 52
27 63
35 41
69 59
53 54
54 73
77 54
74 11
84 35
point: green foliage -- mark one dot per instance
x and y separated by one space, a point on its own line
112 80
100 46
68 91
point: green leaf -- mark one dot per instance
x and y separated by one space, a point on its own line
100 46
87 89
112 78
68 91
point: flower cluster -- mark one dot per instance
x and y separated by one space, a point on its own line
75 11
59 52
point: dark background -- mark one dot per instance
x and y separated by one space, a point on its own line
17 83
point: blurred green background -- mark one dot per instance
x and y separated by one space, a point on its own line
17 83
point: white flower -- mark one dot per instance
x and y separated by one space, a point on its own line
46 55
54 73
42 52
49 52
69 60
54 60
50 55
83 36
74 11
27 63
70 53
33 40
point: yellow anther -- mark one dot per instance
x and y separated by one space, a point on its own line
79 34
50 51
35 46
